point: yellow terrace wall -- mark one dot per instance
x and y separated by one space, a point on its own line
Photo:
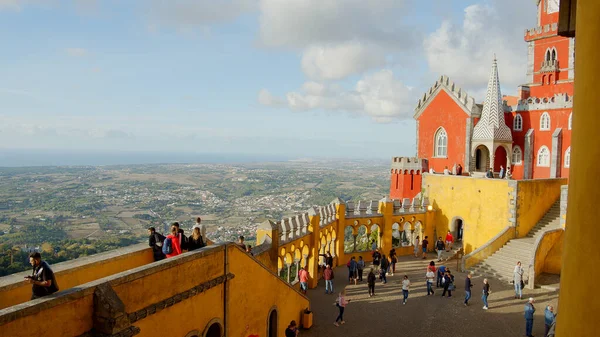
482 204
548 255
534 198
70 274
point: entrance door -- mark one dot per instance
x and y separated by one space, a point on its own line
273 324
459 230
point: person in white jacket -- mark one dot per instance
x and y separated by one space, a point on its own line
518 278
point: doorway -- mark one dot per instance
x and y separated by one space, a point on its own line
214 330
272 332
458 230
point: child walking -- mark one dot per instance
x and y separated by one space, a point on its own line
341 303
405 287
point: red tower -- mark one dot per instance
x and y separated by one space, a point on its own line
406 177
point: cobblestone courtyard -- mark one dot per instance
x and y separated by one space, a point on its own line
424 315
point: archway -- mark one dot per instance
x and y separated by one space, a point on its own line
482 158
500 158
214 330
348 240
396 235
407 234
457 228
375 237
418 231
272 324
362 239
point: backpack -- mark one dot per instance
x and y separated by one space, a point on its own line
167 246
159 238
348 264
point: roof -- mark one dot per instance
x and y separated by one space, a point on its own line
462 99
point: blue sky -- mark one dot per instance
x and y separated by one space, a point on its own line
303 78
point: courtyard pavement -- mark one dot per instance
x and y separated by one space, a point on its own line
384 314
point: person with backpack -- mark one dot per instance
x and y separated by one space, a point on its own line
195 241
376 258
328 276
341 303
360 265
155 240
393 260
172 244
448 283
383 269
440 247
352 270
371 283
182 238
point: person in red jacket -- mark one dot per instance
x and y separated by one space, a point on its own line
449 240
175 241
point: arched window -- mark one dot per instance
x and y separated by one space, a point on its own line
553 54
517 156
518 123
548 55
543 157
545 122
570 120
568 157
441 143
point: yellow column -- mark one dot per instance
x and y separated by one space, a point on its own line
386 207
313 261
340 214
580 272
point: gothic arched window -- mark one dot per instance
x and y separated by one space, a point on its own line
441 143
517 156
518 123
543 157
545 122
568 157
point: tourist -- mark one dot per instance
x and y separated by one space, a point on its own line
405 287
42 279
508 174
440 276
373 245
393 260
459 170
485 294
292 330
501 174
431 170
303 276
328 259
360 266
181 236
328 276
529 311
448 283
371 282
446 171
449 240
518 280
468 286
376 258
249 250
195 241
429 276
490 173
241 243
341 304
172 245
155 240
549 318
416 248
424 246
431 266
439 247
352 269
384 266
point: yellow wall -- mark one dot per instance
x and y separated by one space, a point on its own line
553 261
534 198
547 254
73 273
481 203
579 278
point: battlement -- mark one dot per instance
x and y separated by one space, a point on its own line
558 101
541 32
457 92
293 227
402 164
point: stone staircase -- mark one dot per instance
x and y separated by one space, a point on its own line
501 264
456 246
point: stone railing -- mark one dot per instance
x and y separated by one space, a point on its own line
293 227
489 248
542 245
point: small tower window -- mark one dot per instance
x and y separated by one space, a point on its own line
518 123
441 143
545 122
553 54
568 157
517 156
543 157
548 56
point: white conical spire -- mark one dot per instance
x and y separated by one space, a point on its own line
492 126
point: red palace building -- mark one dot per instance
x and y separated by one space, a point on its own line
529 134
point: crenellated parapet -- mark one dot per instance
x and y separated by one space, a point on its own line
454 90
541 31
293 227
558 101
404 165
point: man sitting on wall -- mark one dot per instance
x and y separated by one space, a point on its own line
42 278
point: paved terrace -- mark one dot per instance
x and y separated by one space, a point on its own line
424 315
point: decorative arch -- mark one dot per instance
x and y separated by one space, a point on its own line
545 122
482 158
362 239
568 157
518 123
193 333
517 155
418 230
550 79
440 142
456 227
543 157
396 235
548 55
272 320
543 79
375 234
349 243
214 328
554 55
407 234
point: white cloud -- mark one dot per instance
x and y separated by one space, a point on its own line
465 51
198 13
76 52
338 61
380 96
266 98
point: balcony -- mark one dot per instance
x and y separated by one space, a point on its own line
549 66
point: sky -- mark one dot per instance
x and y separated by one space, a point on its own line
300 78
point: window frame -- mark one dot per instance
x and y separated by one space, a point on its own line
548 159
567 160
545 116
512 158
436 148
520 119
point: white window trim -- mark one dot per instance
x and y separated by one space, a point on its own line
568 156
542 128
570 120
520 128
537 159
520 162
435 143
